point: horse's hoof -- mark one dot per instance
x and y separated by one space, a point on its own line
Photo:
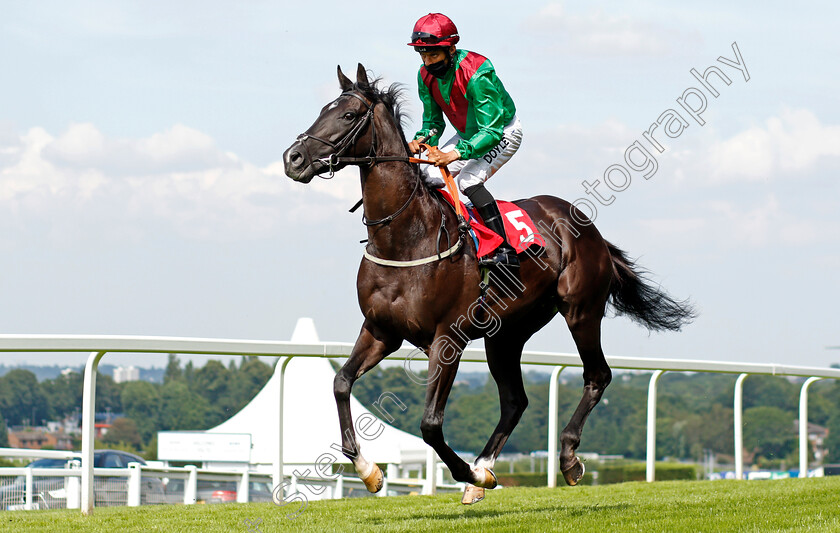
374 480
472 494
574 473
484 478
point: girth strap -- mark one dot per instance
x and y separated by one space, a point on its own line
416 262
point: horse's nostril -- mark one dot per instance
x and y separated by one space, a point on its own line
295 158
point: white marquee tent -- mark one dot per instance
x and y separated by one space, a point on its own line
310 417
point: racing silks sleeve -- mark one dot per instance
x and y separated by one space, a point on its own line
487 104
432 114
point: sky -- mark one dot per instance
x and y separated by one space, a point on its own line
142 189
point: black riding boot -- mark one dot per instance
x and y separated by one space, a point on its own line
486 206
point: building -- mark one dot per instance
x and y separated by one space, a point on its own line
39 439
817 436
123 374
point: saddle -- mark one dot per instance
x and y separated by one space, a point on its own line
521 232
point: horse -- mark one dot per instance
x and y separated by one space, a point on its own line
409 290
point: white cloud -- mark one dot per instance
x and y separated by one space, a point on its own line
178 177
180 148
742 223
792 142
596 33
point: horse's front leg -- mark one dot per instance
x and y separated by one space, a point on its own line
371 347
444 356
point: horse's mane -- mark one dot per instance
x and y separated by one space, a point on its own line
392 96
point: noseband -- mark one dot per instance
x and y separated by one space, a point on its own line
346 142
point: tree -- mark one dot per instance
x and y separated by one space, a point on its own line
189 374
141 403
22 398
211 381
768 431
248 380
770 391
4 435
470 419
63 394
173 369
123 430
181 409
108 394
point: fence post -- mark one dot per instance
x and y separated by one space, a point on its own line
553 407
430 485
739 426
134 485
71 488
803 427
28 491
190 492
339 487
384 491
243 495
89 430
650 467
294 487
280 371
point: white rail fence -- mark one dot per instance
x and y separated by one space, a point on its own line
98 346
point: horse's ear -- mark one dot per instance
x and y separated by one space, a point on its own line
344 81
361 76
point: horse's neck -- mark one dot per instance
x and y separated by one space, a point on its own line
386 188
391 188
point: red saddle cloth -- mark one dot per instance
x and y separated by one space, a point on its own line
520 229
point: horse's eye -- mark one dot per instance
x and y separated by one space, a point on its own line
349 116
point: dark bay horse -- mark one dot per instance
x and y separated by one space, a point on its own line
439 303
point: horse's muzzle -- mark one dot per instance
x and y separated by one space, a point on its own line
297 164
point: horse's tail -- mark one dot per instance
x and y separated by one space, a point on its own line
634 295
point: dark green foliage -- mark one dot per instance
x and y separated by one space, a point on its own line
173 369
189 399
694 411
123 430
141 403
181 408
694 414
768 432
108 394
619 473
536 479
64 395
22 400
4 437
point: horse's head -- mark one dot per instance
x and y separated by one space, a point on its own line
338 131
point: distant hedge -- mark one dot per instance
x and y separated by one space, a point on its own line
620 473
528 479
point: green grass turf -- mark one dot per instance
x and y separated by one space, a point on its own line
779 505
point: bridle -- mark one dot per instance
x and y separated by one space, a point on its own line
336 158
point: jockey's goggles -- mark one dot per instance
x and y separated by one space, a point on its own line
429 38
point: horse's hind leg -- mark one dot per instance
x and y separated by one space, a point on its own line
503 356
586 331
371 347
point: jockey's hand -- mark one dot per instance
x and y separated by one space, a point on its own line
444 158
414 146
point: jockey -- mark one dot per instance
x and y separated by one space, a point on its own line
463 85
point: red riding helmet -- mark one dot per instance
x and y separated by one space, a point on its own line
435 30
